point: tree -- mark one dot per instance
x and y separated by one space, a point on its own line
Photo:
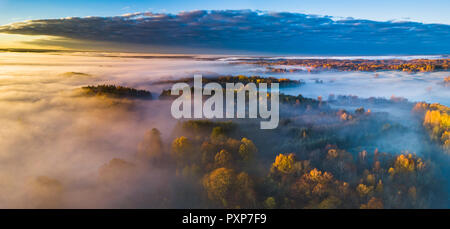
232 145
208 150
364 190
246 195
404 163
360 110
330 203
223 159
270 203
218 133
219 184
284 163
247 149
374 203
151 147
314 187
182 150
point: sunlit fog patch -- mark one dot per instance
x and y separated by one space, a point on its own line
55 139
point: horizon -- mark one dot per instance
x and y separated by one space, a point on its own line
229 55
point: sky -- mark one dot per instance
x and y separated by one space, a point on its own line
376 27
430 11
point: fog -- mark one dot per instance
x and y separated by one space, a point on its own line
416 87
412 86
53 140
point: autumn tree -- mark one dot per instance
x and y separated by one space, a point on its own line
270 203
245 194
247 150
313 188
218 134
219 185
208 151
182 150
284 163
223 159
374 203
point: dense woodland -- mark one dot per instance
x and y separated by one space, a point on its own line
332 153
222 80
437 122
318 157
416 65
116 92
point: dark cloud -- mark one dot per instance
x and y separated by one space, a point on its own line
246 30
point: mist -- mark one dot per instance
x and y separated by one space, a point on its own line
56 144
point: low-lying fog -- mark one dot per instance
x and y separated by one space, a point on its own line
49 130
412 86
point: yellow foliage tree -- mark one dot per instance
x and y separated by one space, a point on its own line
270 203
364 190
223 159
374 203
404 163
218 184
247 149
284 163
182 149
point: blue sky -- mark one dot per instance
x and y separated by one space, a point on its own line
282 27
429 11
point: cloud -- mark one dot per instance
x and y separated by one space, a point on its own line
246 30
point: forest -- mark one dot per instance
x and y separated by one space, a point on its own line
415 65
116 91
332 153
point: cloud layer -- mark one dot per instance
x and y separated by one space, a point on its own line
245 30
